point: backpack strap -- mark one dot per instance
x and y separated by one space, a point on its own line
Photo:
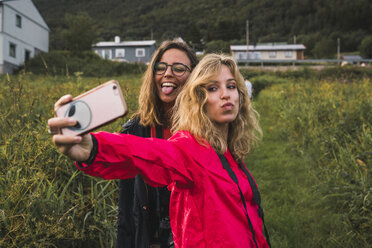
256 195
257 199
227 167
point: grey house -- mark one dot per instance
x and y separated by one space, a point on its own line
23 33
126 51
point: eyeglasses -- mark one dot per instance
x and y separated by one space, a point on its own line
178 69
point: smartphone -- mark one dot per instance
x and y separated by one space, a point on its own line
94 108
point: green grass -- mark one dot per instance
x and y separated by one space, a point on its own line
294 214
44 201
313 167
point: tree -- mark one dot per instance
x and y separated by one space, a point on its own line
325 48
217 46
80 32
365 47
193 37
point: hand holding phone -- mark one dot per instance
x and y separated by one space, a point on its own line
94 108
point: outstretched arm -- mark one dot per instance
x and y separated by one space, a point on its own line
121 156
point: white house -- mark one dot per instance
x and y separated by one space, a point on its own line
127 51
23 33
268 52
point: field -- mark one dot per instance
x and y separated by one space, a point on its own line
313 166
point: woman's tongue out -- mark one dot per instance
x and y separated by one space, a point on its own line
168 88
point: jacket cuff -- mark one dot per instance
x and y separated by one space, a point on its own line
92 156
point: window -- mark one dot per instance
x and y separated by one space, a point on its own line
240 56
257 55
106 54
288 54
272 54
18 21
251 55
12 50
120 53
101 53
27 55
140 52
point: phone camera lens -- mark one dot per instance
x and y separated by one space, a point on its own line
71 111
114 87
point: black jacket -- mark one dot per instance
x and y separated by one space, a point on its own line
143 210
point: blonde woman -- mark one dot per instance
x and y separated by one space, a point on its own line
213 201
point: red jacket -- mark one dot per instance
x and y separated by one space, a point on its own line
205 206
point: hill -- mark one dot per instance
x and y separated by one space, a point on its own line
310 21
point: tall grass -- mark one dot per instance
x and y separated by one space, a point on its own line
44 200
332 123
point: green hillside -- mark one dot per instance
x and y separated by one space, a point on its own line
310 21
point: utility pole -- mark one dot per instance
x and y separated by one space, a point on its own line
247 39
338 49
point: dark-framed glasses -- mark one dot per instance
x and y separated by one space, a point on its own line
178 69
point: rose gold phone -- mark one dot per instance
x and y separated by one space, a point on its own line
94 108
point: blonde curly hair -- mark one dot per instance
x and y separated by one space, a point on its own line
190 114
